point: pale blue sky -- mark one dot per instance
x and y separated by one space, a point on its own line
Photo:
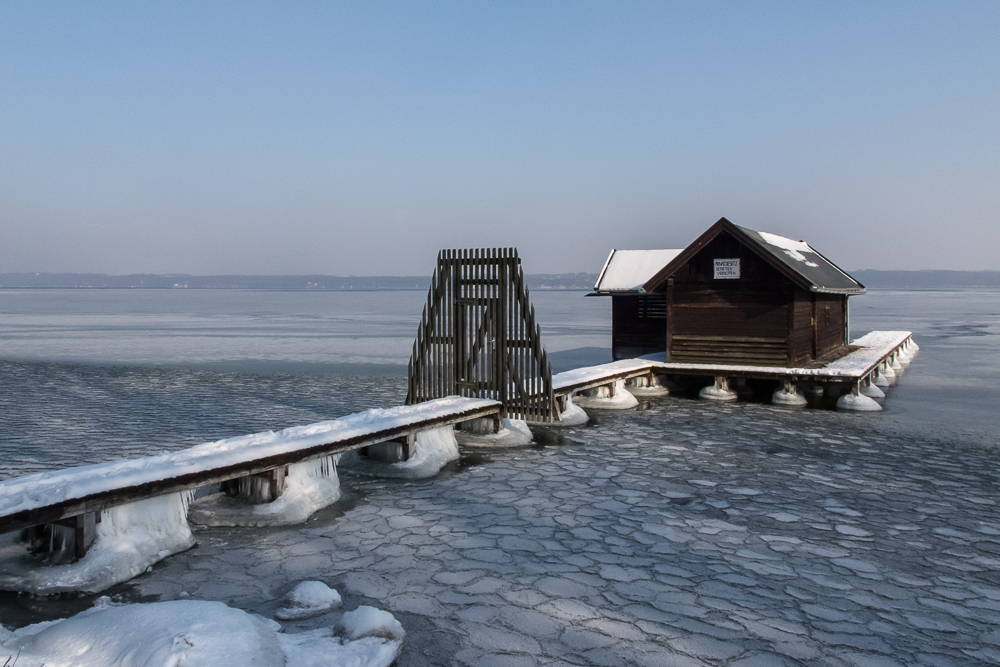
359 138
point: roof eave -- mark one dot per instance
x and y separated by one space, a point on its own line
849 291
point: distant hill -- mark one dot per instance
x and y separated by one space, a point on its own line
926 279
570 281
541 281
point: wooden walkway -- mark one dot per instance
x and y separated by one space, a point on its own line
55 496
868 353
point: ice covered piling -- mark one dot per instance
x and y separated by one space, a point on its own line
611 396
308 487
130 538
647 385
894 363
431 450
571 415
482 432
308 599
788 395
869 389
719 391
887 372
858 402
195 633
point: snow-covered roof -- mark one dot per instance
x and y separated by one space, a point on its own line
627 270
824 275
796 259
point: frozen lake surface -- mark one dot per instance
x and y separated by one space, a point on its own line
681 533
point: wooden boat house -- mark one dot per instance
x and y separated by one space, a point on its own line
638 319
737 296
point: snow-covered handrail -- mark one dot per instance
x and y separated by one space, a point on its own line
50 496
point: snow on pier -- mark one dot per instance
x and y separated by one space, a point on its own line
50 496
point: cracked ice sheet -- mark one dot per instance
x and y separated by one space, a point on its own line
639 542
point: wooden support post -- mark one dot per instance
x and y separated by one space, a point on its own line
276 480
407 442
84 530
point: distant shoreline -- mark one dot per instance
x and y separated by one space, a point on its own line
872 278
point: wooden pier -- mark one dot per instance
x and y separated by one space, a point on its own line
62 496
867 358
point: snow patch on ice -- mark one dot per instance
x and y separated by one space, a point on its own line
130 538
195 634
308 599
309 487
370 622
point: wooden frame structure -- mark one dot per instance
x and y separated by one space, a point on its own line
478 337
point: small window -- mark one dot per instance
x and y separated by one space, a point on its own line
826 316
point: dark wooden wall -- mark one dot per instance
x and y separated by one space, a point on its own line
759 319
637 325
830 320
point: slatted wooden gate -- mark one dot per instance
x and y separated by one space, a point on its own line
478 337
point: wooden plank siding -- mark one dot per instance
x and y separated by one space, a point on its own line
802 326
829 322
759 319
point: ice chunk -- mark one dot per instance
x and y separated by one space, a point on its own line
195 634
370 622
182 632
309 487
130 538
320 648
309 598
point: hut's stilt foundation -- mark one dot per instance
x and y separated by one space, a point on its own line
858 402
789 395
719 391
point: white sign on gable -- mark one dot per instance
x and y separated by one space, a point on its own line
727 268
